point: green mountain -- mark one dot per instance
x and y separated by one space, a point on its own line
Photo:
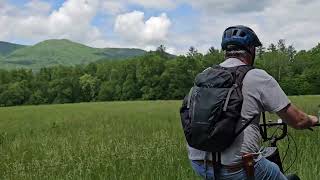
7 48
62 52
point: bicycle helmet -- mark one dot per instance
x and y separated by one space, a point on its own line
240 36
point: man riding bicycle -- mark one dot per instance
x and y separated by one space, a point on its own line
261 93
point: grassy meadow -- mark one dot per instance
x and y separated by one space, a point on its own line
116 140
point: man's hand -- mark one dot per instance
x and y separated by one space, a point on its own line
313 119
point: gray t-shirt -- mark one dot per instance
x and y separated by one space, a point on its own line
261 93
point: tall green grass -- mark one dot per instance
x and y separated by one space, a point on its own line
116 140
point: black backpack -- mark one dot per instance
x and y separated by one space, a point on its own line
211 112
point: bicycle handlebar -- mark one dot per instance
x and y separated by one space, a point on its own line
264 126
281 124
263 130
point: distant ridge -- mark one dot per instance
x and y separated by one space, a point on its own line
58 52
7 48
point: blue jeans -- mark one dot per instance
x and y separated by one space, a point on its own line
264 170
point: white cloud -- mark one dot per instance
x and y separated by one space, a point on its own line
132 27
229 6
72 20
285 20
103 43
38 7
171 50
36 21
156 4
113 6
271 19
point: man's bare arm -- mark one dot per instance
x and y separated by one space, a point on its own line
296 118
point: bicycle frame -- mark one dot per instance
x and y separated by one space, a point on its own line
272 152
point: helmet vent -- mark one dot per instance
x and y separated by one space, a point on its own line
234 32
228 34
242 34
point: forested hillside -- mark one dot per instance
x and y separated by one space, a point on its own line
7 48
58 52
155 75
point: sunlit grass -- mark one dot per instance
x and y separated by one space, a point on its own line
116 140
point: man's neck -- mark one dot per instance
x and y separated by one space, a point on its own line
240 59
245 60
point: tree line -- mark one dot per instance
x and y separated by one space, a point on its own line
156 75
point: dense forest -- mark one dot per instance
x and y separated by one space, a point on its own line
156 75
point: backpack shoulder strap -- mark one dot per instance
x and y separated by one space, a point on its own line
241 72
249 121
238 72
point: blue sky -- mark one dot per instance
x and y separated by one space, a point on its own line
178 24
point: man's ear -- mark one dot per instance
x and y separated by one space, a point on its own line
253 54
